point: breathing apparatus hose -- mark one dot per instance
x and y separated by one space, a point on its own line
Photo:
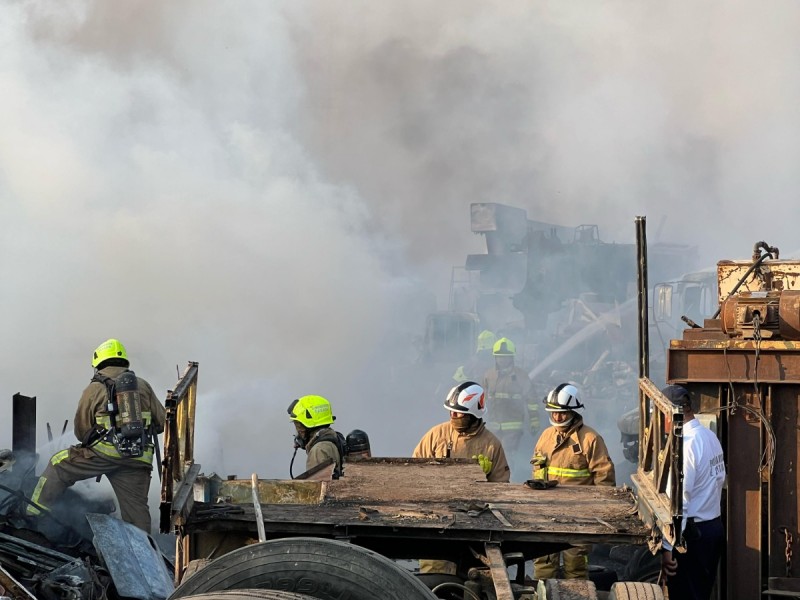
291 463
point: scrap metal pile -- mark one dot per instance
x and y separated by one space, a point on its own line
77 551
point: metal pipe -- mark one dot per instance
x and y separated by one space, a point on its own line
641 279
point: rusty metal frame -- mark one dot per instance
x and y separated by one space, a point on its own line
178 460
659 476
497 567
13 588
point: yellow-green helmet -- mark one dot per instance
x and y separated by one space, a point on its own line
311 411
504 347
111 348
486 340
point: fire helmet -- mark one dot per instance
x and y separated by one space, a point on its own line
504 347
111 348
486 340
357 441
562 398
467 397
311 411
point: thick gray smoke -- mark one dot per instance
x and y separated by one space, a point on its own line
273 190
581 112
154 190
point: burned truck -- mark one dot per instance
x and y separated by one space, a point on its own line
319 537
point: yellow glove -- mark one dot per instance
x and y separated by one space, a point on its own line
539 462
484 461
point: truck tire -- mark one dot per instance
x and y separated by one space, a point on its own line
566 589
643 566
317 567
635 590
250 595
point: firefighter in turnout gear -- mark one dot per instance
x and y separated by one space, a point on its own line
312 417
510 398
117 420
570 453
480 362
464 435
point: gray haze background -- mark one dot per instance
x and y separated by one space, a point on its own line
279 189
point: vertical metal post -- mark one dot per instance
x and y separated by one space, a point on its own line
262 535
641 278
23 424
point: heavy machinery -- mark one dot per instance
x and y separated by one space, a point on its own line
565 297
742 366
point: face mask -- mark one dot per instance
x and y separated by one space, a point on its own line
463 424
299 438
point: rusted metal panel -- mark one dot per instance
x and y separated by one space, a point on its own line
744 505
784 537
178 455
733 361
182 503
779 275
659 477
12 588
270 491
23 424
760 378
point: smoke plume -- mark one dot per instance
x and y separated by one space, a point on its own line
278 190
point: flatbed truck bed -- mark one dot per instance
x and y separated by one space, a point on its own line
412 508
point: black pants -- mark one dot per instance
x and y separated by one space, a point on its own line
697 567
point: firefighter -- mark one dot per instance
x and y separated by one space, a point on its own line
113 442
464 435
357 442
480 362
312 417
510 398
570 453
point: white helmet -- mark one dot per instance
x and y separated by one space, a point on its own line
467 397
562 398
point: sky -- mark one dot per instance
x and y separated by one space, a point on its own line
279 190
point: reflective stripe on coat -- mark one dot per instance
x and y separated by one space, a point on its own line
578 456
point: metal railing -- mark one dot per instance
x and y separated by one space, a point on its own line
659 476
178 445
